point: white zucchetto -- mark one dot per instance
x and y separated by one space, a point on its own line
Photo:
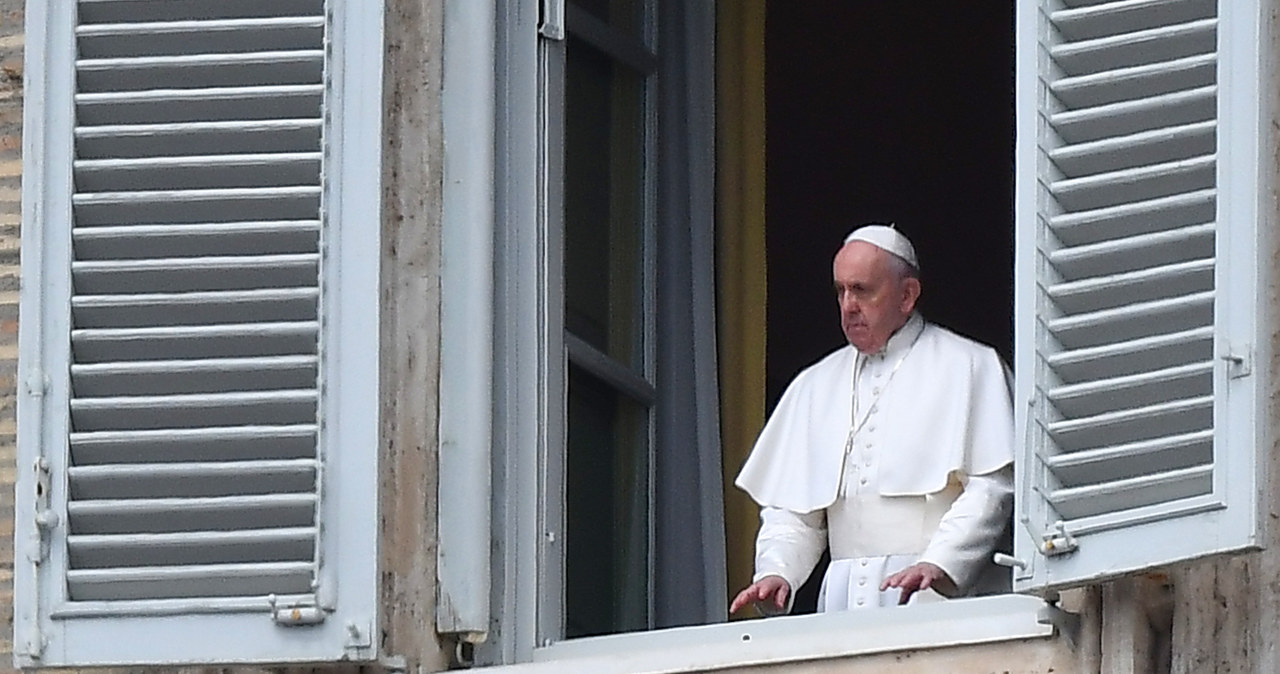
886 238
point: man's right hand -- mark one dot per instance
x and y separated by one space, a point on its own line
772 589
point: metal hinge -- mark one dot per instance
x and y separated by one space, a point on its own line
45 518
1058 541
551 23
1239 361
359 637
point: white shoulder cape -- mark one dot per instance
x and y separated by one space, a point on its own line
947 409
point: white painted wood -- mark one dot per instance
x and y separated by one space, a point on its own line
199 295
467 315
1137 192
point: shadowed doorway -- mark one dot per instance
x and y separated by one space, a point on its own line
894 112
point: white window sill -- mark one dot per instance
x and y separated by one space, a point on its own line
794 638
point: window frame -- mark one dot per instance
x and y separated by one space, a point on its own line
525 375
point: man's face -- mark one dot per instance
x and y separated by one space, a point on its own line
874 301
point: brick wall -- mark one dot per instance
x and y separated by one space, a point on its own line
11 42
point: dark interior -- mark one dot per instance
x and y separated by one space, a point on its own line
894 112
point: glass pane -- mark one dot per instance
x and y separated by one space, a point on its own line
626 16
603 196
607 511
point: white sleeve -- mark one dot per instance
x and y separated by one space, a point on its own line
789 545
970 530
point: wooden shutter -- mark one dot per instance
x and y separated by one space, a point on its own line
185 240
1135 293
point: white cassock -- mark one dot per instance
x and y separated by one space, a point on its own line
913 465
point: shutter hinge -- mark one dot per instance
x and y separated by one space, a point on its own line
359 639
1239 361
45 518
1058 541
551 23
37 383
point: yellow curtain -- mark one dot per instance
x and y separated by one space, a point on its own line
740 226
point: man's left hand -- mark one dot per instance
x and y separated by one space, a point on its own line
919 576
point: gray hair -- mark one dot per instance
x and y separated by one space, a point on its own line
902 269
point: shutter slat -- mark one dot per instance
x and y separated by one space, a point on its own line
197 27
192 479
206 239
1134 218
130 11
1091 466
240 408
207 580
307 56
1129 356
1130 288
168 515
191 342
1097 396
1127 16
1133 424
1125 84
1135 184
198 138
1132 493
1120 254
1162 43
193 376
1148 147
231 443
200 172
197 308
1133 116
205 104
194 547
1131 322
303 66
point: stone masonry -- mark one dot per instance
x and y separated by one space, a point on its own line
11 71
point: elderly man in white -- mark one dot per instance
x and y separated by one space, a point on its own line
896 451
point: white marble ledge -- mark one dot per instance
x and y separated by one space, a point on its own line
793 639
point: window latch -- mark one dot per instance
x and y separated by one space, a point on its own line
296 615
1058 541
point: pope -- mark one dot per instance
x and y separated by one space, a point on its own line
895 451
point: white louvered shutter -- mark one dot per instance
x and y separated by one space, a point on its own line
199 333
1136 218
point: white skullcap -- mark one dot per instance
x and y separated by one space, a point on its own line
885 237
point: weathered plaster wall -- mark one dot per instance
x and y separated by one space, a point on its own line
1227 611
412 184
11 73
